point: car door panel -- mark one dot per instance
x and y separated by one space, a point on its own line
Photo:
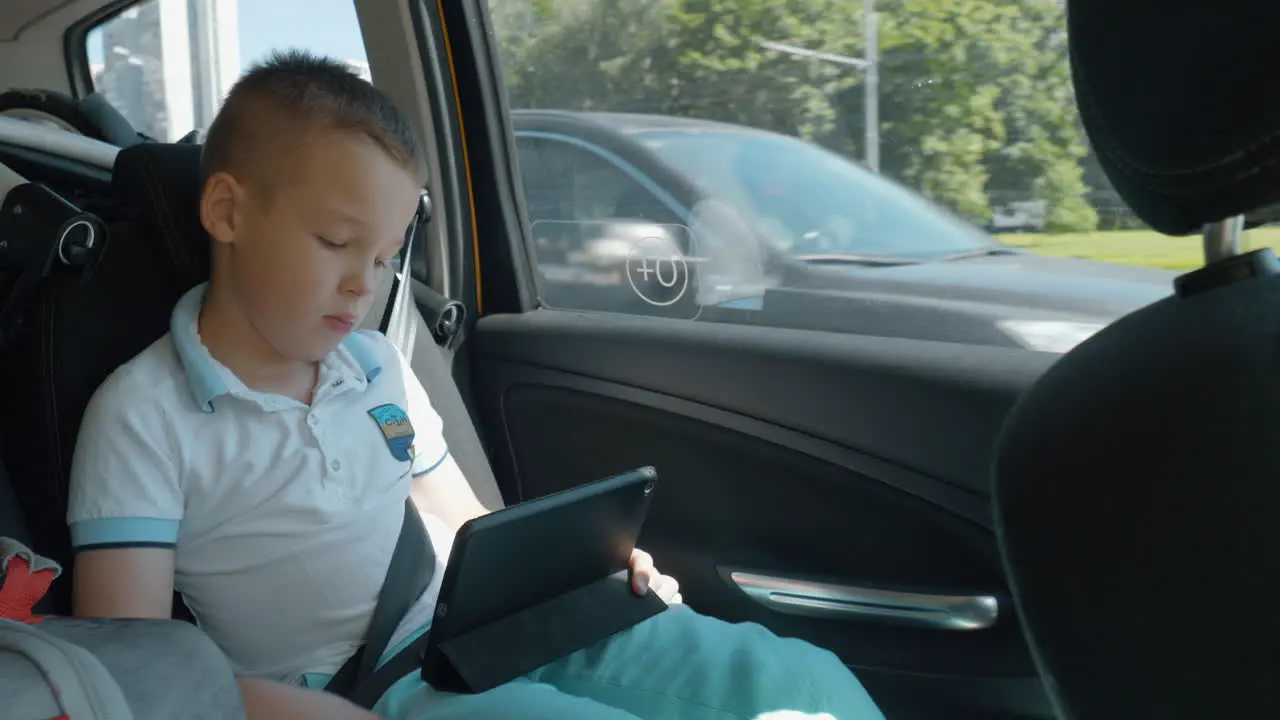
799 455
932 407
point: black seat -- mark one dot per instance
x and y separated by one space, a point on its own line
13 522
78 331
1137 485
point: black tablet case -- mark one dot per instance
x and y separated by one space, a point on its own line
579 604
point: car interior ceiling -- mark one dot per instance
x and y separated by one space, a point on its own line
1131 481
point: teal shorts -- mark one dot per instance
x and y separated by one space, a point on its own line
677 665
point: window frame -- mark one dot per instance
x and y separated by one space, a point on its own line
75 44
441 262
504 277
646 183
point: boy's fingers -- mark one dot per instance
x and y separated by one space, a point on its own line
641 560
667 588
642 572
641 579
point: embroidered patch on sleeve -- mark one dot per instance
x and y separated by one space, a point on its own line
396 429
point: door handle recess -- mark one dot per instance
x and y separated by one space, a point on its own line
848 602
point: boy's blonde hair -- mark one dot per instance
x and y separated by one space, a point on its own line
292 93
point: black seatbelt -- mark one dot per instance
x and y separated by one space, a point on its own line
360 680
408 575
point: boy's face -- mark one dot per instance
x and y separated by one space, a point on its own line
303 264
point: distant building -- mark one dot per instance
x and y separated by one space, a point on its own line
167 64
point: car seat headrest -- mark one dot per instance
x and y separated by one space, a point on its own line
1179 106
160 184
1135 487
110 122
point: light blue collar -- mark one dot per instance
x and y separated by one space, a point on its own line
203 373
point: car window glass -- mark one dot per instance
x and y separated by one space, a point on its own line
586 213
166 65
814 200
564 180
907 168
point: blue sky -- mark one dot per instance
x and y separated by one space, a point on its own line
327 27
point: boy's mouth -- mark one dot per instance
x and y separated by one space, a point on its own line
340 323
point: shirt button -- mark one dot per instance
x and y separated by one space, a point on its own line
335 464
312 420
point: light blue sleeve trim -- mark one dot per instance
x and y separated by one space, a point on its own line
432 466
124 532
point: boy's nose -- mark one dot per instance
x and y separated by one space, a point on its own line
362 282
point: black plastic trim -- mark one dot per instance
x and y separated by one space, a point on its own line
933 407
451 198
506 284
959 501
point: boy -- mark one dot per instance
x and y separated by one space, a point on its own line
240 458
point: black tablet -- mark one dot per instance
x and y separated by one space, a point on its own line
536 581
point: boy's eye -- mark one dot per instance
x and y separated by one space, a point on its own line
329 243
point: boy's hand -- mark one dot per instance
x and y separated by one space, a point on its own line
644 576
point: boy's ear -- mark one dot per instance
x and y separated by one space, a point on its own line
220 207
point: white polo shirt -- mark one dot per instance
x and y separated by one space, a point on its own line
283 516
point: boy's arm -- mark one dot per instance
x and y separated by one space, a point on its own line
266 700
445 493
124 507
439 486
130 582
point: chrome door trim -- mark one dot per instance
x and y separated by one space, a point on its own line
849 602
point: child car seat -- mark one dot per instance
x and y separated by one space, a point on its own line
91 116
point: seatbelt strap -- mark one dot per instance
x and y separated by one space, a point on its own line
360 680
408 660
408 575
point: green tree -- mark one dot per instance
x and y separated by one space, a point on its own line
585 54
975 96
1041 156
724 72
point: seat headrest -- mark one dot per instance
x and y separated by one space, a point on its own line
1179 104
159 184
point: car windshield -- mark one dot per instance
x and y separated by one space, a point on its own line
810 201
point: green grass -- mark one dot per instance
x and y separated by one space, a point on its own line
1136 247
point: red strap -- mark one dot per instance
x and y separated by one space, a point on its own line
22 589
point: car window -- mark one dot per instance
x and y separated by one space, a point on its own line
166 66
588 212
565 180
814 200
912 168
